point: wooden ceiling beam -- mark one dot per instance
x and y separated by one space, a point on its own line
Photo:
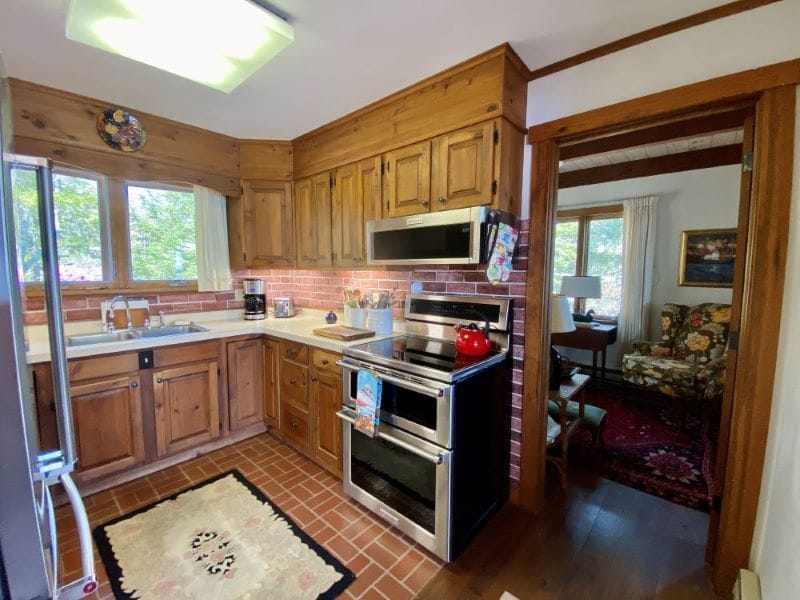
712 14
671 163
713 123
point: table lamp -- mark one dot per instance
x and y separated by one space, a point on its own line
581 286
560 322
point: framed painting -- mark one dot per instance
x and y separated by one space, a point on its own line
707 257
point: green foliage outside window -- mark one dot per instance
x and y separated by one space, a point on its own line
565 257
78 229
604 258
162 234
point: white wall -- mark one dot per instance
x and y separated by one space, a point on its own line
751 39
701 199
776 547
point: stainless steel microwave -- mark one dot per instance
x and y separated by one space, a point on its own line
448 237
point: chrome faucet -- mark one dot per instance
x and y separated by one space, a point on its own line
116 299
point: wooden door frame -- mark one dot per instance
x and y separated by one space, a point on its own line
772 92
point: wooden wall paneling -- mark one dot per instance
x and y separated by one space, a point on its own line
670 163
266 159
123 166
762 302
712 14
59 117
463 95
720 91
461 167
508 164
544 190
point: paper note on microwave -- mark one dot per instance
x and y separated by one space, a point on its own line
499 267
368 403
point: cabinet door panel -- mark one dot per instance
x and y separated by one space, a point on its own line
294 383
246 382
272 382
348 218
269 240
408 180
313 221
294 426
186 406
462 168
108 426
326 400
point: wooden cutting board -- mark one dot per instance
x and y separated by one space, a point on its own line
344 333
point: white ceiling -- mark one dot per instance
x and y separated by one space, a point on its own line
346 53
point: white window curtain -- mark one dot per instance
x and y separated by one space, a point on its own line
638 255
211 233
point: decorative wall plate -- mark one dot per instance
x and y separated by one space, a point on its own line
121 130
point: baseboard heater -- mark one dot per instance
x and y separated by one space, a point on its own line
747 586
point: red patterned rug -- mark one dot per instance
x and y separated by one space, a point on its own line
654 447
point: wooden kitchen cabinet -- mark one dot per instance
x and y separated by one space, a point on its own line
325 400
356 200
266 224
462 168
407 180
313 221
247 382
107 415
272 382
186 400
294 418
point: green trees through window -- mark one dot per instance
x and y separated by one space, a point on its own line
162 234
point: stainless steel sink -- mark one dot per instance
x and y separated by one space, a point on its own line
132 334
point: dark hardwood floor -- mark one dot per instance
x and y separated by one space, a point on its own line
597 540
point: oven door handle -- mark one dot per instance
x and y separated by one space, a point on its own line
403 382
436 459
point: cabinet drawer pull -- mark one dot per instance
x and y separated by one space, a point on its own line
159 380
314 378
324 361
294 425
134 385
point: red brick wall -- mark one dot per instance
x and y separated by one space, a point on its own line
323 290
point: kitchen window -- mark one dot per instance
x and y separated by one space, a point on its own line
112 235
588 241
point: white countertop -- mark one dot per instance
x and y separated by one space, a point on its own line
220 324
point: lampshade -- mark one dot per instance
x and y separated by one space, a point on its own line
560 315
585 286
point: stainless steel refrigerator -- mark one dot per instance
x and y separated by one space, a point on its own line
28 473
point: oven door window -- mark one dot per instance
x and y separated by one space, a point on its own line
401 480
404 403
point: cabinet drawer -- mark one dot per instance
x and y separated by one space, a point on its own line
294 425
294 382
294 351
326 361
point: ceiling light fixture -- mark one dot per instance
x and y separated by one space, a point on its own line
218 44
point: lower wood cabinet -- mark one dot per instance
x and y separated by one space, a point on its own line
326 401
108 426
186 402
272 382
294 426
247 377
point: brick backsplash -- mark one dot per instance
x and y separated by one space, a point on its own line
323 290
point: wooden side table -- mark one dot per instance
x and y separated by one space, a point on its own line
597 339
571 389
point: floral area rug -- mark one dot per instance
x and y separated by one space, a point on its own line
654 448
221 539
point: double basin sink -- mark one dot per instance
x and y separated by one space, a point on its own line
126 335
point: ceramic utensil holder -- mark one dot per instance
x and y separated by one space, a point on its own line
379 320
355 317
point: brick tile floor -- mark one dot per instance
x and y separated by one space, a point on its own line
387 564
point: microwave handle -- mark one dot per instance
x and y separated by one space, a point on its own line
398 381
436 459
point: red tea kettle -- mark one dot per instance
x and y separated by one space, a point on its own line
473 341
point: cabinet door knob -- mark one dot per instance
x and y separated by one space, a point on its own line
293 381
294 425
424 202
442 199
324 361
159 380
135 385
313 378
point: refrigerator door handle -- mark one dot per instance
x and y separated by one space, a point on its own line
87 583
52 288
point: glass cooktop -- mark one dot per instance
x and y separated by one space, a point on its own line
437 359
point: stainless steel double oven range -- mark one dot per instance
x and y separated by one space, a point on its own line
438 468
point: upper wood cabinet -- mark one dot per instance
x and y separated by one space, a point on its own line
407 180
462 168
107 414
313 221
186 406
266 226
356 200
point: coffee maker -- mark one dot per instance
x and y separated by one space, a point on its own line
255 300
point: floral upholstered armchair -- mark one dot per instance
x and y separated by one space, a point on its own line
689 361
